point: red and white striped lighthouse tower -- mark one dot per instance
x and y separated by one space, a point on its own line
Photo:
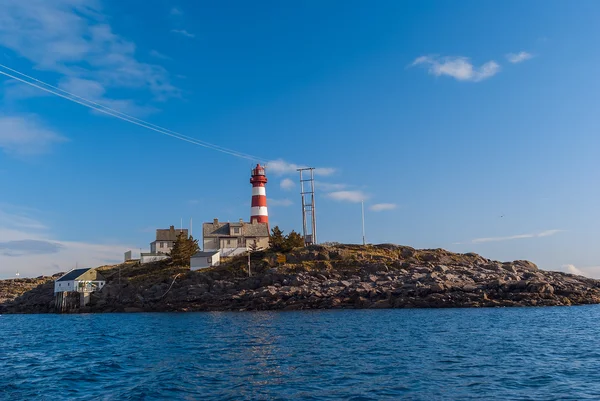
258 180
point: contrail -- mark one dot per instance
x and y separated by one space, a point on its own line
120 115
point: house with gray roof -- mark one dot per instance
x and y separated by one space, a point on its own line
165 239
232 239
80 280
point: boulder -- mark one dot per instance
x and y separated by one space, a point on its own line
440 269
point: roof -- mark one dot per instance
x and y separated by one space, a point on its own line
169 234
76 273
212 230
204 254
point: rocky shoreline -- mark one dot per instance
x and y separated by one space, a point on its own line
322 277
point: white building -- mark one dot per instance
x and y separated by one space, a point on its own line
232 239
202 260
165 239
80 280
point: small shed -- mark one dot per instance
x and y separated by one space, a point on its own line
80 280
202 260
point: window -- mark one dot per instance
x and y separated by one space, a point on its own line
228 242
59 284
236 230
209 260
162 244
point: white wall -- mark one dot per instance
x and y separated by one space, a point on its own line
152 258
201 262
60 286
155 247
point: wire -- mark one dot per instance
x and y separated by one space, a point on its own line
121 113
122 116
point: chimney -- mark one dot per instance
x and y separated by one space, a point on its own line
216 222
241 221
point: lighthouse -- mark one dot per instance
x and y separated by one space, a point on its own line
258 180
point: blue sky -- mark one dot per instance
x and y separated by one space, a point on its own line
463 125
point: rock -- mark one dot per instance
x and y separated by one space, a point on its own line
362 302
509 267
407 252
348 276
440 268
382 304
266 280
525 265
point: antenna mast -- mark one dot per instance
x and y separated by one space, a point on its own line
362 204
309 231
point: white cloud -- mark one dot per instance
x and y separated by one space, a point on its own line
14 217
184 33
327 186
571 269
73 38
546 233
280 202
28 247
518 57
459 68
95 92
325 171
281 167
380 207
176 11
287 184
591 271
159 55
348 196
25 136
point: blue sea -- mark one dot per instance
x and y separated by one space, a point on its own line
414 354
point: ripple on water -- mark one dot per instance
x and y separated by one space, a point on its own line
523 353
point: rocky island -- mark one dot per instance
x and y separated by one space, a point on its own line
318 277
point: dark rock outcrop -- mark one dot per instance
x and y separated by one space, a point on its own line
321 277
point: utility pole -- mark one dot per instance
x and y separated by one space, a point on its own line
249 252
362 203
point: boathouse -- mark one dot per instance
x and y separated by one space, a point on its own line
80 280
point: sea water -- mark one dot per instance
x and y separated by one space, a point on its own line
414 354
